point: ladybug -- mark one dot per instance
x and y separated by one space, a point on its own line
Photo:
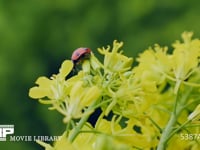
79 54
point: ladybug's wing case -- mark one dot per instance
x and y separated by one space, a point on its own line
79 53
75 55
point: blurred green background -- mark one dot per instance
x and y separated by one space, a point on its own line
37 35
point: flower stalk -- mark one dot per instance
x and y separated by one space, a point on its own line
81 123
168 132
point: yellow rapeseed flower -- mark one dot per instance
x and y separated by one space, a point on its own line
52 88
185 58
114 61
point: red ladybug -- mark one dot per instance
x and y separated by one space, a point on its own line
79 54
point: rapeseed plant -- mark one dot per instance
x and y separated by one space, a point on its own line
154 105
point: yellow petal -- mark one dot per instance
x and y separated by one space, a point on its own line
86 66
76 91
91 95
43 82
104 126
37 92
66 68
195 115
63 143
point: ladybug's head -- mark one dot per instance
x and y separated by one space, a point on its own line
80 54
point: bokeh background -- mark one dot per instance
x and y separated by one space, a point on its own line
37 35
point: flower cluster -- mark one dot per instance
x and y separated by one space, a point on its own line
142 107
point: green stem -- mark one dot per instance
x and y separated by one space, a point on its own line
155 124
178 108
81 123
179 128
167 131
